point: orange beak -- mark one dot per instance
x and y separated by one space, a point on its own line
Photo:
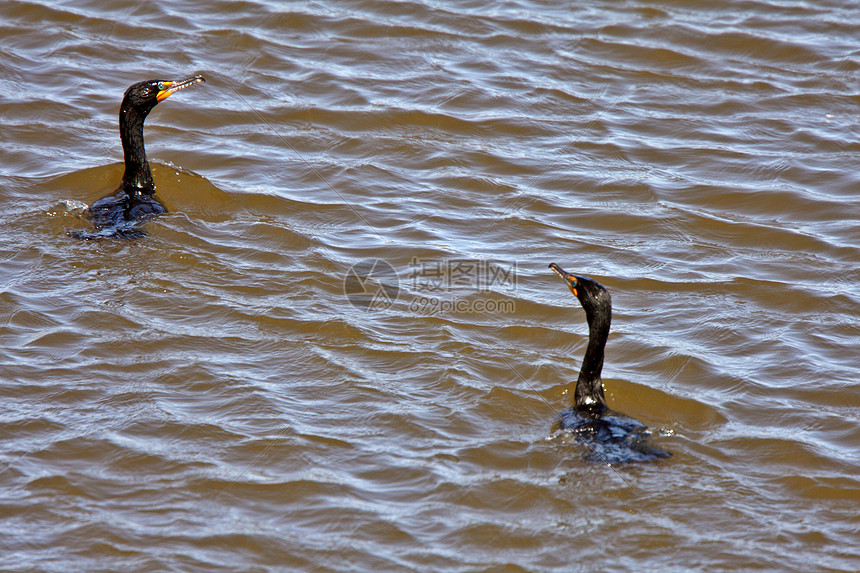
171 88
566 277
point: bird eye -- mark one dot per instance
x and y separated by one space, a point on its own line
160 86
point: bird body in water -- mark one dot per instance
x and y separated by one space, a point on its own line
609 436
121 213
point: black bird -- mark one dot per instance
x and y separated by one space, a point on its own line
119 214
609 436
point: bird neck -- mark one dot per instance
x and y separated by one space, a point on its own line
137 179
589 386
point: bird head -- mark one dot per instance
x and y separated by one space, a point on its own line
143 96
591 294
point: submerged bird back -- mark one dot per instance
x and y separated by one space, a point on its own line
611 438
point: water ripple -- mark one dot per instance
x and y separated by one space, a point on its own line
209 398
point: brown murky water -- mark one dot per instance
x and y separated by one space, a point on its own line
217 397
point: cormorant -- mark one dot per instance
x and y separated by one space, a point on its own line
609 436
119 214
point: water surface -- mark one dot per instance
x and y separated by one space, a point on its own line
209 397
